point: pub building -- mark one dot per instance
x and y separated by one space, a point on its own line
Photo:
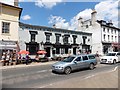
55 41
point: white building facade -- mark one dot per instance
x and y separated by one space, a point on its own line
55 41
105 36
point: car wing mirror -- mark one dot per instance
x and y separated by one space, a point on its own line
75 61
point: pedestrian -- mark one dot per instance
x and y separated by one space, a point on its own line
78 53
7 58
27 59
97 55
3 59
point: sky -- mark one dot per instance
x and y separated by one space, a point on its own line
65 14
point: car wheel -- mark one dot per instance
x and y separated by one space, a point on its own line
114 61
92 66
67 70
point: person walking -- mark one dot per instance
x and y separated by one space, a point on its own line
27 59
3 59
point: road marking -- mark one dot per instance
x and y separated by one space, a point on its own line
46 85
41 71
89 76
114 69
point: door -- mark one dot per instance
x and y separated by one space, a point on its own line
74 50
48 51
85 61
77 63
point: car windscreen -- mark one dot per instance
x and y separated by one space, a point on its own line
68 59
111 54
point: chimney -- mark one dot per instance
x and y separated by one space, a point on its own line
80 21
54 26
16 2
93 17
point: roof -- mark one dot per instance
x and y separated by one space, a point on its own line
107 24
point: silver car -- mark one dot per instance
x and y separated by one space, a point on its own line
75 62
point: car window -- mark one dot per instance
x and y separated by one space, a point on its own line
78 59
91 57
68 59
118 54
85 57
111 54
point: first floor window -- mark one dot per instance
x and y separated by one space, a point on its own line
5 27
47 38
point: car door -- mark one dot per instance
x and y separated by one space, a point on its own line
85 61
77 63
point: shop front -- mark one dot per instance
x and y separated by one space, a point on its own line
8 46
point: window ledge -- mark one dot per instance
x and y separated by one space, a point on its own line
6 34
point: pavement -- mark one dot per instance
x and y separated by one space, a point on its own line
24 65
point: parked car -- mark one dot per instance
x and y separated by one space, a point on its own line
112 58
75 62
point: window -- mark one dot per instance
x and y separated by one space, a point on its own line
5 27
104 37
47 38
78 59
85 58
84 39
103 29
112 38
108 30
108 37
112 31
86 26
57 39
116 38
66 50
32 37
57 50
74 40
91 57
65 40
115 31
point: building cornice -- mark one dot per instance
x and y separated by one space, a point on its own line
37 27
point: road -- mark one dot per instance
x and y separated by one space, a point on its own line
42 77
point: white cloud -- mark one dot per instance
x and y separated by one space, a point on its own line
47 3
106 10
26 17
58 21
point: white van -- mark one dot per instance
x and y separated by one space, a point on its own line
112 57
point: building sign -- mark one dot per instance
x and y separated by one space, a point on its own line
7 42
10 2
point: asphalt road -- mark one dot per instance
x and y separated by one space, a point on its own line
41 76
